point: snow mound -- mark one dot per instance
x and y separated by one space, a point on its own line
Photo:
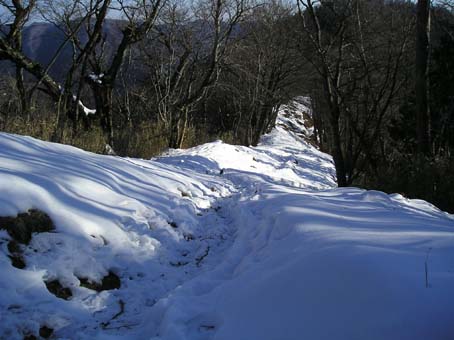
141 220
284 155
218 242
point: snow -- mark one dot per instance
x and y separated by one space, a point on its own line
85 109
97 78
221 242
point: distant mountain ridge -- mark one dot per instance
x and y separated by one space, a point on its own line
42 40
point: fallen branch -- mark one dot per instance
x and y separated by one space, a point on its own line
426 267
104 325
200 258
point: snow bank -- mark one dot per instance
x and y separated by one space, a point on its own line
136 218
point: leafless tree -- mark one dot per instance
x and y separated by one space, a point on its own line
264 61
357 49
141 17
83 23
187 57
20 12
422 75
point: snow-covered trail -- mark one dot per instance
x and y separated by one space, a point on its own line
220 242
317 262
148 222
319 267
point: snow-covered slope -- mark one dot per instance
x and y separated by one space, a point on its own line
220 242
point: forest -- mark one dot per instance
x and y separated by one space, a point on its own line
136 77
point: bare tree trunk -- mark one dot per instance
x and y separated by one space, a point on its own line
20 83
57 135
421 82
336 152
173 130
183 127
23 95
103 99
178 127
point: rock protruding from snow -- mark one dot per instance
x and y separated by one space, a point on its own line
296 117
22 226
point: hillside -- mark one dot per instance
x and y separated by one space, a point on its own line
215 242
42 42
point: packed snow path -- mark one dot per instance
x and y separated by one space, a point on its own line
220 242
